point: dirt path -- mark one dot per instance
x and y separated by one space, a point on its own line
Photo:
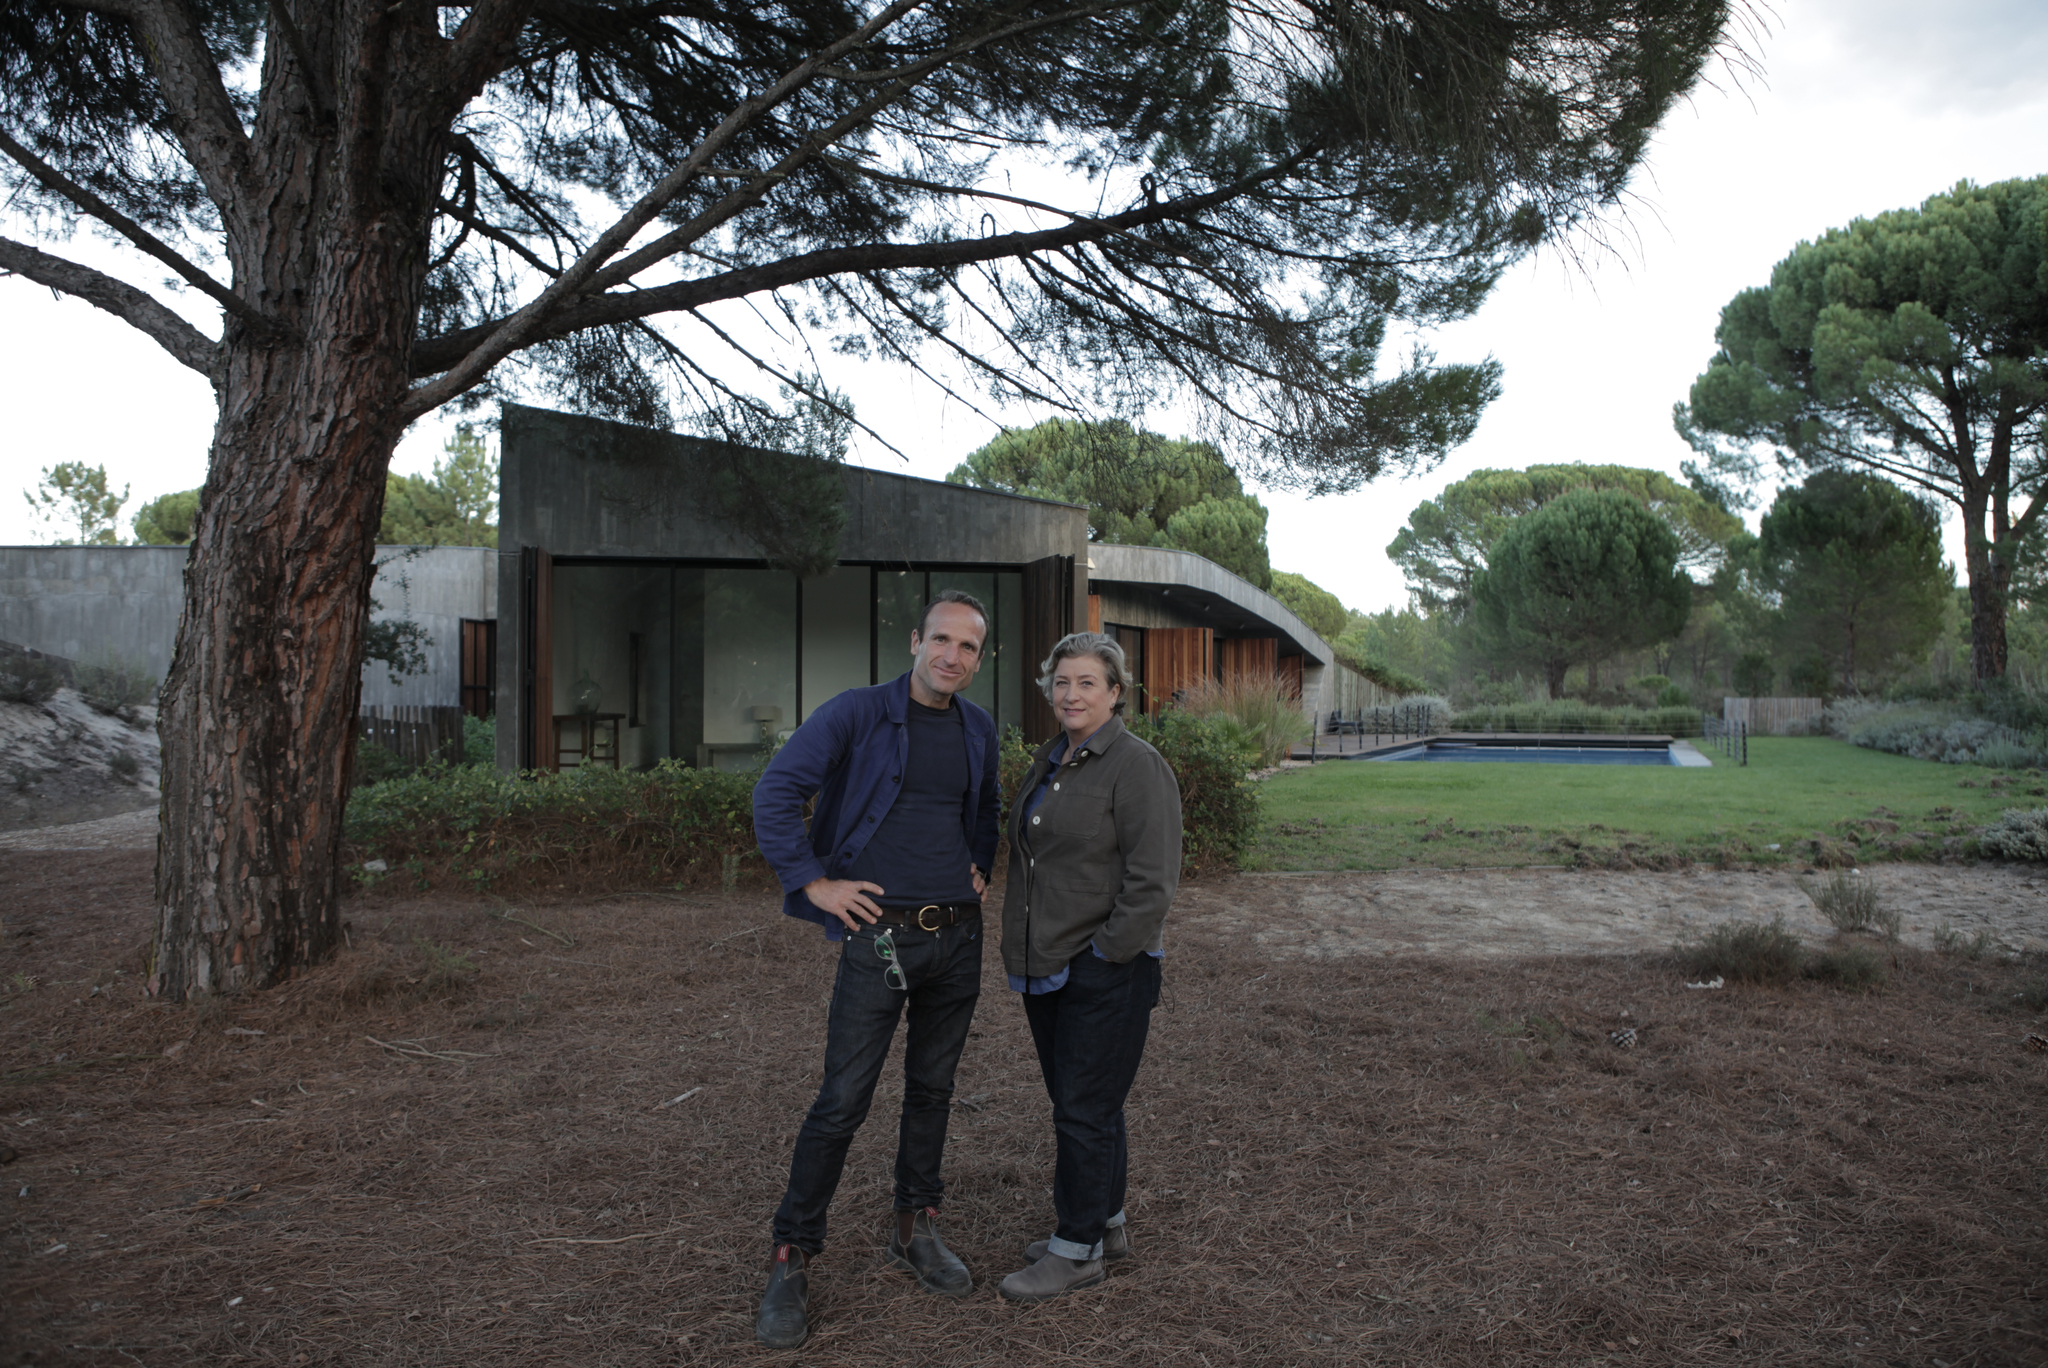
1517 912
1488 913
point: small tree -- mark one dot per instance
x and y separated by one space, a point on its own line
1856 564
1915 345
168 519
456 506
74 496
1584 576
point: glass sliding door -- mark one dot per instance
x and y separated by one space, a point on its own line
838 650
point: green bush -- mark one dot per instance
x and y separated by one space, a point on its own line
110 684
1855 968
480 741
1573 718
1219 805
1952 732
1743 952
2020 834
585 828
26 678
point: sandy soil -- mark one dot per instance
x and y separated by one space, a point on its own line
1512 913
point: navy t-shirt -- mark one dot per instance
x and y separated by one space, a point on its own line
919 852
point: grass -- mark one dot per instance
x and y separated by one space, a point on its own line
1818 801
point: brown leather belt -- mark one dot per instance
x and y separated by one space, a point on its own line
932 916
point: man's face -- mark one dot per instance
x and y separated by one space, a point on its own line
945 656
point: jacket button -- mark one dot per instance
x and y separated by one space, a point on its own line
895 778
1055 788
1034 821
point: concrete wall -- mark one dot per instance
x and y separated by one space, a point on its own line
88 602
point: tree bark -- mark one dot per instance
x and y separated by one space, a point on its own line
259 711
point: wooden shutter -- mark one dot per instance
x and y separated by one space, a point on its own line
1048 615
537 685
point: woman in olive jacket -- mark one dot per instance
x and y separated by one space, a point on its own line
1094 861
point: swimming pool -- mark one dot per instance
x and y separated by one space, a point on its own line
1475 752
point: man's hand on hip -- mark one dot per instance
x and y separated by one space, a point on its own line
845 899
980 884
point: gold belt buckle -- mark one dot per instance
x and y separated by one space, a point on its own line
928 907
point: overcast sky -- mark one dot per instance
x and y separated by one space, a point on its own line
1862 106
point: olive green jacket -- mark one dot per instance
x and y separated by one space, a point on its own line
1099 860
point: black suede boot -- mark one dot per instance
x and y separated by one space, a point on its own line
936 1267
781 1324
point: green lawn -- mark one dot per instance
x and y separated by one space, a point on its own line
1818 800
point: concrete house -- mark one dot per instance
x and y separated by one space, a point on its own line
633 626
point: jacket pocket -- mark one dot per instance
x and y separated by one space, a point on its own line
1076 814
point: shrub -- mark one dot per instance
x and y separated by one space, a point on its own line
1856 968
668 825
1953 733
1743 952
110 684
1949 941
1268 718
480 741
1851 904
124 767
1219 805
29 678
1570 717
2019 834
375 764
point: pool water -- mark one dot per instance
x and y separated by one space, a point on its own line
1466 753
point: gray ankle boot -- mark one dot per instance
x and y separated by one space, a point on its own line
1052 1276
782 1323
936 1267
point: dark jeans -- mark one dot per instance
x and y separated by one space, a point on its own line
1090 1037
943 972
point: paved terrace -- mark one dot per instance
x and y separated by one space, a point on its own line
1355 747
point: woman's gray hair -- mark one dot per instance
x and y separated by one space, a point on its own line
1116 671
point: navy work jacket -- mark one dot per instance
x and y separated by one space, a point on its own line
850 753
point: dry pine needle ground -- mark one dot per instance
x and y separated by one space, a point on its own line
1398 1160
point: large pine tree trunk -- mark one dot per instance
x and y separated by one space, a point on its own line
1989 576
259 711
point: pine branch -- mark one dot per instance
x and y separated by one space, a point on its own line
59 183
132 306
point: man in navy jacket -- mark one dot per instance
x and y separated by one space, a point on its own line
893 867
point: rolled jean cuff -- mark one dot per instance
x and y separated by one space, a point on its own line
1070 1249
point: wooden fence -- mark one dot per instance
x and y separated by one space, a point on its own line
415 734
1771 716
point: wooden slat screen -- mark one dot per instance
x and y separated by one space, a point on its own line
1255 656
1290 670
1095 612
1176 658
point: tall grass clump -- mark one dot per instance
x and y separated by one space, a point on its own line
1851 904
29 677
1743 952
1259 708
1853 968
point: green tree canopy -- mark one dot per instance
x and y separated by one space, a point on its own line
168 519
1856 564
455 506
1140 488
1587 574
1324 613
72 500
1913 344
1447 539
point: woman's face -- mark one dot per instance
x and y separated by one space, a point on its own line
1082 696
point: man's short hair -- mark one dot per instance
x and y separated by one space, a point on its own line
960 596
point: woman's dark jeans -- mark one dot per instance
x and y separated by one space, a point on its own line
943 972
1090 1036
